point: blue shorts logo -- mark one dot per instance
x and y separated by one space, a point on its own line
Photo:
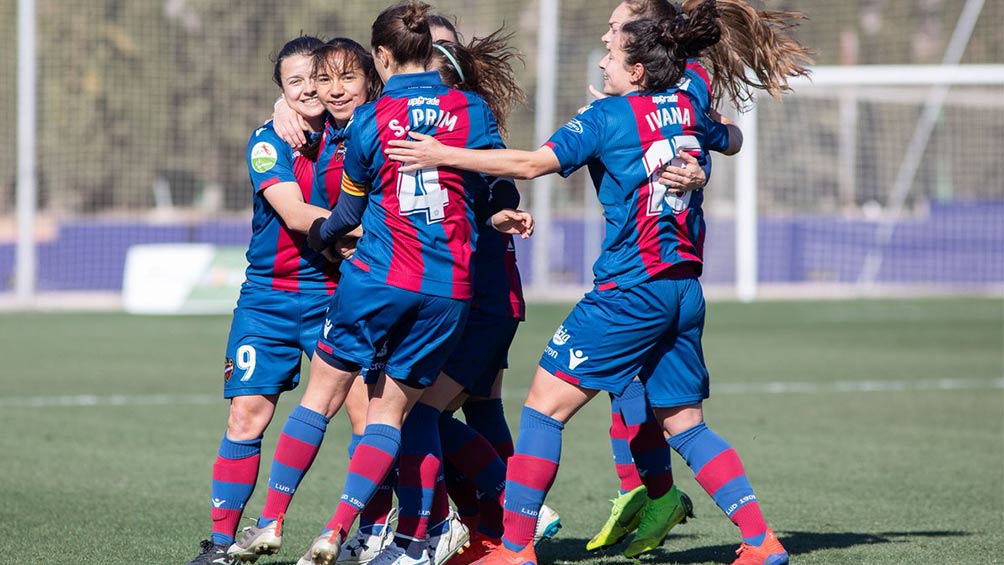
561 336
575 358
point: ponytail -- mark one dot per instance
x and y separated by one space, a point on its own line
403 29
663 46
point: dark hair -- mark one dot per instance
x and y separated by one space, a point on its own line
439 20
302 45
486 66
663 46
352 54
759 40
403 29
650 9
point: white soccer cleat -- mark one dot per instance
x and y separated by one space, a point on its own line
255 542
452 540
394 555
548 524
323 551
362 547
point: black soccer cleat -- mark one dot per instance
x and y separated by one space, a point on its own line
212 554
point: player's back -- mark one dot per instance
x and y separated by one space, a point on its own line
626 141
420 226
277 256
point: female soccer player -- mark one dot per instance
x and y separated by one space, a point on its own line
345 78
409 283
287 290
645 316
752 39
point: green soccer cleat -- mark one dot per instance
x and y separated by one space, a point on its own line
624 518
657 518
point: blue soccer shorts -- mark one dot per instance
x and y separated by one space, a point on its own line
652 330
482 352
419 331
270 331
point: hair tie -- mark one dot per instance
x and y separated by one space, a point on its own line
452 59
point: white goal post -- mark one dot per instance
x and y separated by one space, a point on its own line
958 106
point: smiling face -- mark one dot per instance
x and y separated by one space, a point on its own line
618 78
298 88
341 86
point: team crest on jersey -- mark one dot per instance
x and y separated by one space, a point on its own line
228 369
574 125
263 157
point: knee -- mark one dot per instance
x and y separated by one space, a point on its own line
248 420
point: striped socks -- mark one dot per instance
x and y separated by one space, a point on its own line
531 473
234 475
298 444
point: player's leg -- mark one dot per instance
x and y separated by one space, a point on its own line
550 403
676 391
625 513
258 368
374 531
665 506
422 330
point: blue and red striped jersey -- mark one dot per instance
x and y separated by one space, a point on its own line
277 256
625 141
420 228
330 162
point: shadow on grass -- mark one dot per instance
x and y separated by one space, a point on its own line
797 543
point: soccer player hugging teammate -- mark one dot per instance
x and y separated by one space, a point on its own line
345 78
408 286
287 291
648 269
754 39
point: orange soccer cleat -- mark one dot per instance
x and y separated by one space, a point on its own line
480 546
771 552
504 556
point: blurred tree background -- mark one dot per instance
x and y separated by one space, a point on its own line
140 92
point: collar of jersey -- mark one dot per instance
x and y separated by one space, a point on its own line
411 80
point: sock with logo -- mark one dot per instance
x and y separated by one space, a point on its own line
531 473
472 455
373 460
234 476
373 517
299 441
719 471
488 418
418 475
649 451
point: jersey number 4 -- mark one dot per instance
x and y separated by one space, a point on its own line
658 155
419 192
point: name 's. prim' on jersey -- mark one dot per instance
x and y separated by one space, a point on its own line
277 256
420 228
625 141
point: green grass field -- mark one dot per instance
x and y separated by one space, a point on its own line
872 431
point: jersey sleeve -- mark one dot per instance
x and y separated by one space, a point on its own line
270 159
578 141
361 145
717 137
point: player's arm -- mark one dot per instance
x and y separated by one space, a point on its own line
345 218
287 200
426 152
288 124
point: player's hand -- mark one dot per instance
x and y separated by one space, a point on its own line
596 93
515 222
331 255
346 247
314 240
681 180
289 125
424 152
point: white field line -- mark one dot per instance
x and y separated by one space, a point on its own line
914 385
